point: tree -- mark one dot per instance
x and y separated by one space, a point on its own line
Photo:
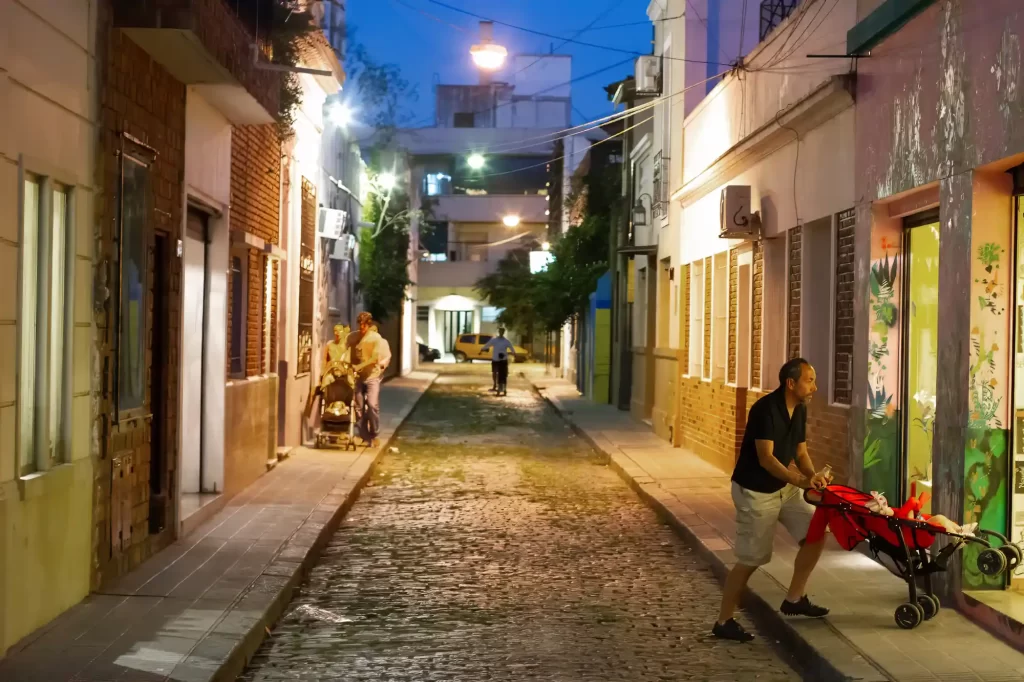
510 289
384 255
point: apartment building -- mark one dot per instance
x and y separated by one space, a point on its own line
481 171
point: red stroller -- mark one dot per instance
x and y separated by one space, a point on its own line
905 540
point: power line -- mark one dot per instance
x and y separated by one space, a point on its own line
556 37
602 15
430 16
636 23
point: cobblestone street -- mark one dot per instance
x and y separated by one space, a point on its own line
495 545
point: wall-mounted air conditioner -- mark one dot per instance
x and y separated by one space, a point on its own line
738 221
344 248
648 76
331 223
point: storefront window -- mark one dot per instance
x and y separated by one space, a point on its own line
1017 519
922 320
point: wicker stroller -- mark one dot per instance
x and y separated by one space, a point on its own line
337 393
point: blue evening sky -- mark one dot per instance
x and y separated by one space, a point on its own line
423 40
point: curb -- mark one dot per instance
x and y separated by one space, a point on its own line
813 663
249 620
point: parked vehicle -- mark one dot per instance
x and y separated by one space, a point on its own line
469 347
428 354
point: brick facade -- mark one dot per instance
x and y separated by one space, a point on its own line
138 98
842 391
793 315
756 322
709 279
733 303
712 417
256 210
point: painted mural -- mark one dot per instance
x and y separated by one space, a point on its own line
986 457
882 432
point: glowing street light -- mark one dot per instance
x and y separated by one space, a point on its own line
488 55
511 220
341 115
546 246
386 181
476 161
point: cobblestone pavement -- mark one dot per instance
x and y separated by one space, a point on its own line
495 545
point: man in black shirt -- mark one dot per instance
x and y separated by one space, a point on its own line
766 491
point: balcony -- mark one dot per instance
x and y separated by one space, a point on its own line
203 43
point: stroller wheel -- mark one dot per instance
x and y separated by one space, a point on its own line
1013 556
991 561
929 603
909 616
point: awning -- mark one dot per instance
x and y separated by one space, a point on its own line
646 250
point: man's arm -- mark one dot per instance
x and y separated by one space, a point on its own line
766 458
803 460
489 344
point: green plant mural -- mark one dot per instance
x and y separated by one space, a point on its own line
881 440
985 456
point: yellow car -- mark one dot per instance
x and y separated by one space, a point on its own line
468 347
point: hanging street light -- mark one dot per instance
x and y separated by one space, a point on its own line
386 181
341 114
488 55
639 212
476 161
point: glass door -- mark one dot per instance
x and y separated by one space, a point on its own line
920 352
1016 520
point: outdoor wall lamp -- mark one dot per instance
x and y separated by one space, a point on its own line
511 220
476 161
639 212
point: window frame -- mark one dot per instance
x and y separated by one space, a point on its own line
144 156
696 341
47 389
239 313
719 317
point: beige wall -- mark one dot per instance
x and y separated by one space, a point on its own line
48 117
250 430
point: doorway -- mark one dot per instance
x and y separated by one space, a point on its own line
195 277
920 353
456 322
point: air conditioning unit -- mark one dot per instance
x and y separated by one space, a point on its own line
738 221
344 248
331 223
648 76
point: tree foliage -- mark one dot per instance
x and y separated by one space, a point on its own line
546 300
382 93
290 28
384 257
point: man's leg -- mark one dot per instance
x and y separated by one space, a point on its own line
373 408
757 515
796 515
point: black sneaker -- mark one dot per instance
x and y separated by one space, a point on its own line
731 630
804 607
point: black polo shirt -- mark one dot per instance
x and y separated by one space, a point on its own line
769 420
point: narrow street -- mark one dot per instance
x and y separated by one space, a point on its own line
495 545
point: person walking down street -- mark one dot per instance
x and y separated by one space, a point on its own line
501 348
766 491
367 366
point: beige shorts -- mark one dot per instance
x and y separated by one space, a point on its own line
758 514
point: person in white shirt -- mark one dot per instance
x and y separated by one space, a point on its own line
383 350
366 357
501 349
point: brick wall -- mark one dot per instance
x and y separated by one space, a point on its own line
138 97
793 321
256 210
756 314
842 391
709 279
733 303
712 417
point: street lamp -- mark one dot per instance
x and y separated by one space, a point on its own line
386 181
639 212
511 220
476 161
488 55
546 246
341 114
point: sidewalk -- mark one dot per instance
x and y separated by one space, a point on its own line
199 610
859 640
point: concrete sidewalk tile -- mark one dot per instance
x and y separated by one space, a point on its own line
227 578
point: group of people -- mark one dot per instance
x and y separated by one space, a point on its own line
369 355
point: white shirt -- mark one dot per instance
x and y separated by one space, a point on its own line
500 347
383 353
